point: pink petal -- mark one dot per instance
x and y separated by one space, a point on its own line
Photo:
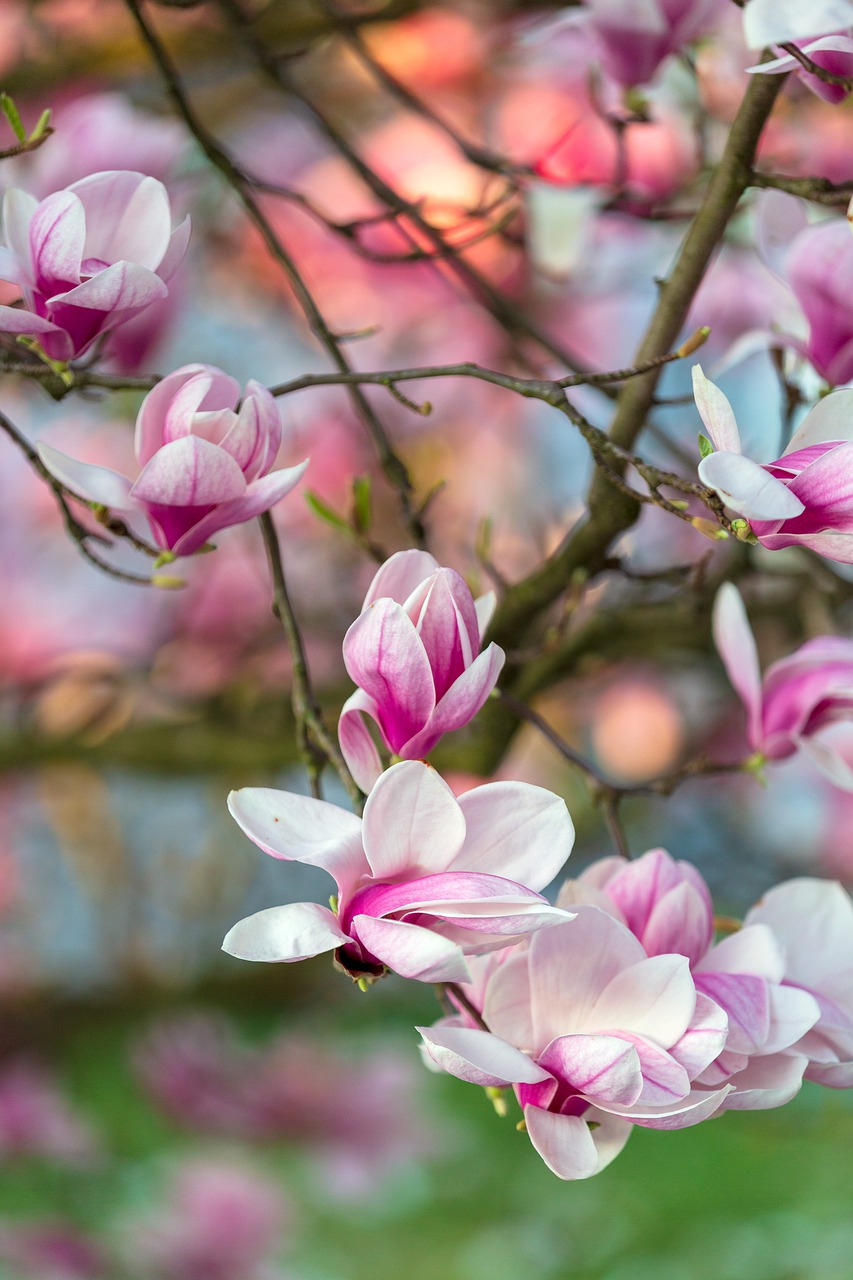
830 419
704 1039
413 825
255 437
515 830
699 1106
716 412
570 965
506 1007
753 949
462 700
57 234
746 1000
400 575
127 217
155 406
95 484
568 1146
120 290
16 320
357 746
384 656
767 1082
261 495
655 998
602 1068
479 1057
176 250
748 488
825 486
736 646
410 951
301 829
190 472
484 607
830 762
19 207
813 920
292 932
793 1012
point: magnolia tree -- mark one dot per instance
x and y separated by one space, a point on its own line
627 1000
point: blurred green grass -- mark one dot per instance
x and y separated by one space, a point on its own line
761 1196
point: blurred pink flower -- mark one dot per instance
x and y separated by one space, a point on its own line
799 695
88 258
53 1251
204 465
414 653
423 880
635 36
357 1115
222 1220
36 1120
805 498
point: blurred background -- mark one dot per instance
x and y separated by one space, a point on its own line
168 1112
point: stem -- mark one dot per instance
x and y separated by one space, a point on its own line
316 743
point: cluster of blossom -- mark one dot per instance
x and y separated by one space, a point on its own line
616 1006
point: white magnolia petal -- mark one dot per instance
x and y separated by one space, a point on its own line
748 488
295 931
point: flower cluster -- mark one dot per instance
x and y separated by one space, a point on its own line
632 1014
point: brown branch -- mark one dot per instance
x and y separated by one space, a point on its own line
814 69
392 465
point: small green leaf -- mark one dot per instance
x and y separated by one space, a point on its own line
10 111
326 513
705 446
362 516
42 126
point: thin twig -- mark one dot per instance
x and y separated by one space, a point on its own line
392 465
316 744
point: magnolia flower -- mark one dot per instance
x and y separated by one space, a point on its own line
667 906
834 53
805 498
595 1036
799 696
88 258
813 921
780 21
634 38
414 653
423 879
205 466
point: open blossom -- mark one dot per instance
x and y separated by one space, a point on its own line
813 920
805 498
423 879
205 466
667 906
88 258
595 1036
799 696
834 53
780 21
414 653
634 38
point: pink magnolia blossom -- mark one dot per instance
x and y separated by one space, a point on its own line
779 21
37 1120
423 879
595 1036
834 53
205 466
667 906
815 261
414 653
799 695
88 258
813 922
634 36
804 498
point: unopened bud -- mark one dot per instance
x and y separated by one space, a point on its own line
709 529
168 584
742 531
694 342
497 1098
